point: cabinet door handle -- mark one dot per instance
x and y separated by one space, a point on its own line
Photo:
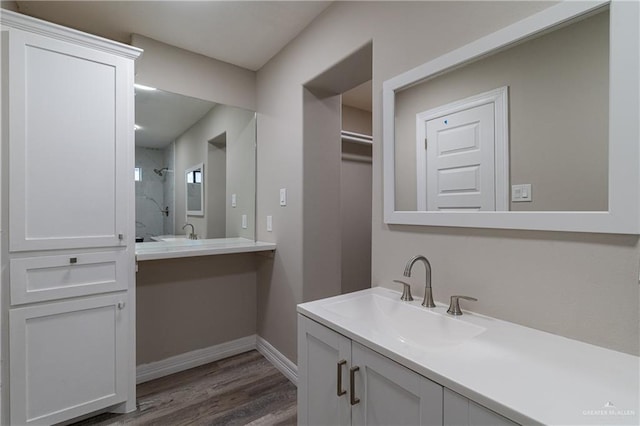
352 385
73 260
120 305
340 391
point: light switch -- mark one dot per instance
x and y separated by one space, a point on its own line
234 200
244 221
283 196
521 193
269 223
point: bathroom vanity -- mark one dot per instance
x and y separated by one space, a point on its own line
369 358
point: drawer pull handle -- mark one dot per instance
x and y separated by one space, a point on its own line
352 385
340 391
120 305
73 260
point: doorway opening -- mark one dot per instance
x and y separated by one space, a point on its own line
337 187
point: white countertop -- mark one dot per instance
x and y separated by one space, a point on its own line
527 375
207 247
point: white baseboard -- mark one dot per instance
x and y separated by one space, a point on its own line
175 364
279 361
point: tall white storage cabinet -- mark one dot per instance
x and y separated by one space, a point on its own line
68 248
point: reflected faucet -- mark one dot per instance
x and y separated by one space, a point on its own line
428 293
192 235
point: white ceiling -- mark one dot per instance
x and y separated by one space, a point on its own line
243 33
163 116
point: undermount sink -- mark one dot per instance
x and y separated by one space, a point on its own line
408 323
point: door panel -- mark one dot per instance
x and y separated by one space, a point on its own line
320 351
460 411
461 160
74 115
67 358
391 394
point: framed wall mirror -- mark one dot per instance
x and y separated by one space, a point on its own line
532 127
195 162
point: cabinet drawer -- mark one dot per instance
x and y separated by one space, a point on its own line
42 278
67 358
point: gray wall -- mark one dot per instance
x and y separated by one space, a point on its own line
192 147
193 303
558 112
356 120
180 71
355 203
582 286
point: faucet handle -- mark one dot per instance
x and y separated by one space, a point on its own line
406 291
454 305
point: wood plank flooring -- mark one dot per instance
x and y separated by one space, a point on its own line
241 390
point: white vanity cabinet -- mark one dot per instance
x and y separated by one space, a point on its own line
461 411
342 382
68 222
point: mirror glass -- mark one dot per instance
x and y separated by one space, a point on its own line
195 163
194 176
525 128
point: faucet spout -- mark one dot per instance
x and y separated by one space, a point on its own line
428 291
192 235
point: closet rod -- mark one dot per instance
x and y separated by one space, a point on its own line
356 137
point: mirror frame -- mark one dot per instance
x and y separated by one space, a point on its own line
623 216
186 189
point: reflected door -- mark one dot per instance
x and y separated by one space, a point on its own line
460 160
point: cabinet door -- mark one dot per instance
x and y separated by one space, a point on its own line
323 367
67 358
70 126
390 394
460 411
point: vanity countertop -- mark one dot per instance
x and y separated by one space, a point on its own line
189 248
527 375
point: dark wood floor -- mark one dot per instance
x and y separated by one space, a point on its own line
242 390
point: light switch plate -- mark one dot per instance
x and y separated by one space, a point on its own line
244 221
521 193
283 196
269 223
234 200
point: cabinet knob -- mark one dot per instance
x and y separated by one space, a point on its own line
73 260
121 237
120 305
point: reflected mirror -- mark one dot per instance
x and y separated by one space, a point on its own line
195 163
522 129
194 192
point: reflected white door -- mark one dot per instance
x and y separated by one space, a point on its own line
460 160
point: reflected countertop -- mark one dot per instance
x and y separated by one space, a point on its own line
189 248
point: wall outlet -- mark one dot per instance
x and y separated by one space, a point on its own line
269 223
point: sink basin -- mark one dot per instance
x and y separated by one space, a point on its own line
406 322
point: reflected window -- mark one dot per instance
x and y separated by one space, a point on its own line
194 177
137 174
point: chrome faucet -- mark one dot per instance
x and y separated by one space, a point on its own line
192 235
428 292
